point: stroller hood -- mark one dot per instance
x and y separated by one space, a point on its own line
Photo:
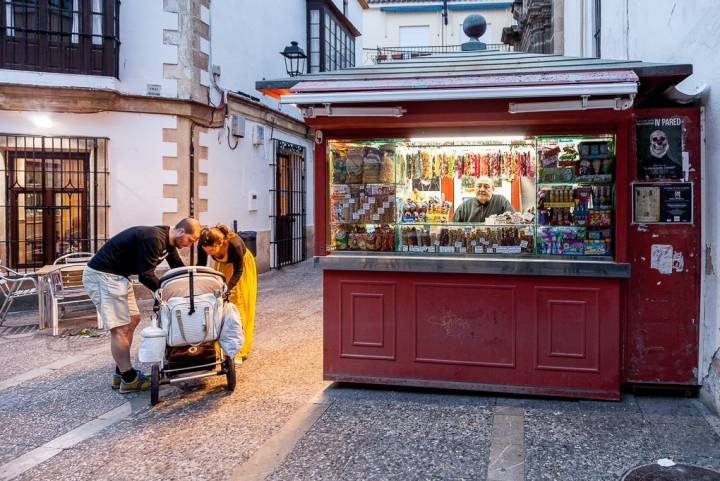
176 282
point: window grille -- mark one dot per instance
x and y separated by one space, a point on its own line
65 36
56 198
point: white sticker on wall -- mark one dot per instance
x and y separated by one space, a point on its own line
661 258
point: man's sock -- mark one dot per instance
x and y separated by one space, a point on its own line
129 376
117 370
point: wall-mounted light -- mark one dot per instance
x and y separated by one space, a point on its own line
331 111
42 120
294 59
584 103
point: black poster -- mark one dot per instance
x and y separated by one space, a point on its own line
659 148
676 203
663 203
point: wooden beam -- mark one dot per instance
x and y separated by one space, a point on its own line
84 101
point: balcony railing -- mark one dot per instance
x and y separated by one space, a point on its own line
388 54
41 36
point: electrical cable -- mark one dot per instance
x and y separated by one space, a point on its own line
237 142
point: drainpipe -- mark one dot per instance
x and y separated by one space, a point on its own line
192 183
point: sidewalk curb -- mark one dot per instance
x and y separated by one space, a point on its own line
274 451
18 466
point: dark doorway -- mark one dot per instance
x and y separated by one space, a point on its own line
55 198
48 206
289 243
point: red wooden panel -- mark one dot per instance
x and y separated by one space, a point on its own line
522 334
663 310
367 320
568 329
465 324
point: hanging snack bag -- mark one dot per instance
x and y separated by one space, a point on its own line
354 166
371 165
387 164
339 166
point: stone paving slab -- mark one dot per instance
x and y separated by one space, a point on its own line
394 434
199 430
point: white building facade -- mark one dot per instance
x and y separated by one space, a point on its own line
404 24
142 113
678 32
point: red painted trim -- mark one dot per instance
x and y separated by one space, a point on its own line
321 198
623 154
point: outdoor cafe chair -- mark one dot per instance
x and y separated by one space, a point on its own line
64 290
14 285
74 258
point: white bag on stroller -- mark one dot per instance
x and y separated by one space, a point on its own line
186 325
231 335
191 306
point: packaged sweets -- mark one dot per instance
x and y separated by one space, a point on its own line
354 166
371 165
387 167
339 166
341 238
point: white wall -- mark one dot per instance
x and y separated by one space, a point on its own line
233 174
142 54
247 44
679 32
135 152
381 29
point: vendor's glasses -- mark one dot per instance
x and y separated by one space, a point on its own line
484 186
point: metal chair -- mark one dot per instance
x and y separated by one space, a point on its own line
65 289
13 285
74 258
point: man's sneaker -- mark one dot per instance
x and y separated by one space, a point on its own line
140 383
117 378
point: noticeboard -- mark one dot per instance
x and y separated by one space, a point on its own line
662 203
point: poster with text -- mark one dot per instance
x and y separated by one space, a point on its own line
659 148
663 203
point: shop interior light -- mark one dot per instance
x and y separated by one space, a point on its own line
465 140
583 103
331 111
42 120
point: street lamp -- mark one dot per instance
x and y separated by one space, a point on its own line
294 59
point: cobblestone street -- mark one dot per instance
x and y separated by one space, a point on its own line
62 421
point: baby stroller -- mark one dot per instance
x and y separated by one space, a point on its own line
189 305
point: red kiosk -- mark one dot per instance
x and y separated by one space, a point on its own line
591 283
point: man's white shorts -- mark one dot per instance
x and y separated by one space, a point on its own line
112 295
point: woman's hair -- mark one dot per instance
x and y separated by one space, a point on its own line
212 236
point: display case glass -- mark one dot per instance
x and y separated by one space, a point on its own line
544 196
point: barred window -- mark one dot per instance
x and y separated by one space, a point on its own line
55 198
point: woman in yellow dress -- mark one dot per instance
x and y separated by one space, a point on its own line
237 264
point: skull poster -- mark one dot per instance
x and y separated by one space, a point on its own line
659 148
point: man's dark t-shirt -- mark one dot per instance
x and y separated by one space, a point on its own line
473 211
137 250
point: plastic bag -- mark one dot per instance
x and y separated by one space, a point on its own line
231 335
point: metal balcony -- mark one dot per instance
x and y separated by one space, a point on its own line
389 54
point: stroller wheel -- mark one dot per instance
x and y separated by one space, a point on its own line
230 373
154 384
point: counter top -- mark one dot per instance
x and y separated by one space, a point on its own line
473 264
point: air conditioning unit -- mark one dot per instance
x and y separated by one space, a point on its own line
258 135
237 126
